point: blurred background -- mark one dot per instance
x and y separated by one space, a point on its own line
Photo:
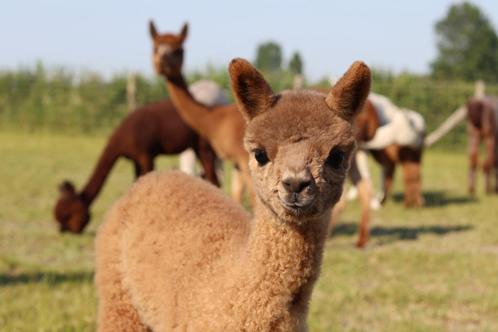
71 71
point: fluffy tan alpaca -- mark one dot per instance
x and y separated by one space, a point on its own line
176 255
223 126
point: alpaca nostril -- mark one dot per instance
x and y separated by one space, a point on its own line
295 185
304 185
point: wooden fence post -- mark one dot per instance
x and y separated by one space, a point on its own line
131 92
298 82
480 89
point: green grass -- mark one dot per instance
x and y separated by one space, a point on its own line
430 269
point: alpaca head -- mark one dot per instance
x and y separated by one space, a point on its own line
71 212
167 53
299 142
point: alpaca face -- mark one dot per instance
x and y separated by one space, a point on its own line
167 54
299 167
299 142
71 213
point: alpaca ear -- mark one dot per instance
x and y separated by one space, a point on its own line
348 95
152 30
66 188
184 32
252 93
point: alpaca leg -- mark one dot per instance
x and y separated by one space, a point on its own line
365 190
419 197
187 162
208 160
411 163
360 176
237 186
387 160
336 213
473 159
136 168
412 179
488 164
146 164
388 169
362 164
116 313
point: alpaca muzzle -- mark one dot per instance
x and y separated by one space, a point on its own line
297 192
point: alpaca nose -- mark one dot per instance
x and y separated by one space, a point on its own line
296 184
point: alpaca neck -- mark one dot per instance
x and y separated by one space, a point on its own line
284 259
100 173
192 112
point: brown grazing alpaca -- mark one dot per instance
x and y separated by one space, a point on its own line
147 132
482 124
176 255
222 126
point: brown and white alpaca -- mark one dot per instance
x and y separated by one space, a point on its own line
392 142
176 254
222 126
482 124
145 133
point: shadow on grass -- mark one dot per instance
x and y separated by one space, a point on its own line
50 278
437 198
399 232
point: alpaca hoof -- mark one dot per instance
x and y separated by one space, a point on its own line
362 241
417 203
375 204
361 244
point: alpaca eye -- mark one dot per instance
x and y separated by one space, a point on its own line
335 158
261 157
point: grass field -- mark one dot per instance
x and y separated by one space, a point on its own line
430 269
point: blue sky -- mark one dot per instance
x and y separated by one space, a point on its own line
111 36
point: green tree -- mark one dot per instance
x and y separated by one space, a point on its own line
296 64
269 57
467 45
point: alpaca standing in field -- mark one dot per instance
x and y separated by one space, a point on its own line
398 138
147 132
222 126
482 124
176 255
